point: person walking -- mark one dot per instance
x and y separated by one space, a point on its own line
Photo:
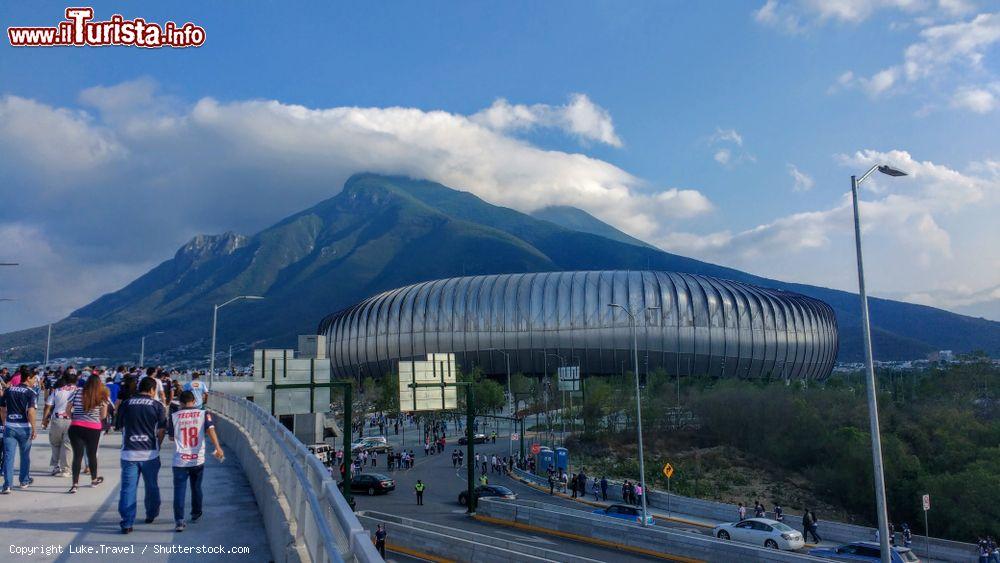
604 488
57 422
758 509
87 409
742 512
483 480
199 388
597 491
552 483
419 488
144 423
809 525
779 515
639 491
188 428
380 535
17 410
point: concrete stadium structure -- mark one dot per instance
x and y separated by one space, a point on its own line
704 326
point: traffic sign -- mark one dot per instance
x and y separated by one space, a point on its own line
514 437
535 448
927 502
668 471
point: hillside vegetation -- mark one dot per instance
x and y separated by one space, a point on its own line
810 445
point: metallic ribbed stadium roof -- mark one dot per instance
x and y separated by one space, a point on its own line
704 326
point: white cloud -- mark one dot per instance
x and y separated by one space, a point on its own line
105 192
777 15
904 224
802 181
977 100
733 153
942 51
796 16
727 135
580 117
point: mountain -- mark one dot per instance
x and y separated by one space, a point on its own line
382 232
579 220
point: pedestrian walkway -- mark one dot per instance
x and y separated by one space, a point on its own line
44 515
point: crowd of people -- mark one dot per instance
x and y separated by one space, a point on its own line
81 405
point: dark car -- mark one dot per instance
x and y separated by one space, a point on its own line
865 551
476 439
487 491
372 484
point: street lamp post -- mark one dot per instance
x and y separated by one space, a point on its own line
880 498
142 347
562 407
48 345
638 403
215 319
510 398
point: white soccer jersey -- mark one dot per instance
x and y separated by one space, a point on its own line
188 428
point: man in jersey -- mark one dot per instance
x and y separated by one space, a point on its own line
17 409
144 424
188 428
159 395
199 388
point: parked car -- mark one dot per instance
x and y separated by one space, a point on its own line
372 484
476 439
865 551
625 512
487 491
377 444
761 531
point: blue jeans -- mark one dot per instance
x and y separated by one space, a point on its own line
181 476
16 439
131 470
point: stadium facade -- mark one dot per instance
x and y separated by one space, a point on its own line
703 326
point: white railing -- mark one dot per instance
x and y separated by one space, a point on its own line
325 524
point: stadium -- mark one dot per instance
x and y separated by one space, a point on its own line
686 324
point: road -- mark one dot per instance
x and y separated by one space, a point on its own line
444 483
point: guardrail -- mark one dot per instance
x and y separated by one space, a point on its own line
947 550
323 522
630 537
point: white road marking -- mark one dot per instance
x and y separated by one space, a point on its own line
531 539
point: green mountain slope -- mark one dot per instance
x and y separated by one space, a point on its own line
382 232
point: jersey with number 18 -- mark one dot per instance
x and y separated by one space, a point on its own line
188 428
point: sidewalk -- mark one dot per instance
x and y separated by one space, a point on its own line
44 515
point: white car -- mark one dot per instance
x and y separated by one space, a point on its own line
376 444
761 531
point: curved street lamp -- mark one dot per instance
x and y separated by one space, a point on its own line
638 405
880 499
215 318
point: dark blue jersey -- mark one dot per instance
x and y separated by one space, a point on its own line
18 401
141 418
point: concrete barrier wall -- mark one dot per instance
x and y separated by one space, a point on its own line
440 540
278 522
635 537
829 530
448 546
322 526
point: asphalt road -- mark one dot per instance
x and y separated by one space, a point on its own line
444 483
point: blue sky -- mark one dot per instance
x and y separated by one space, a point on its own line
726 131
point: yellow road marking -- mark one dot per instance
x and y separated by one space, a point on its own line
585 539
417 554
